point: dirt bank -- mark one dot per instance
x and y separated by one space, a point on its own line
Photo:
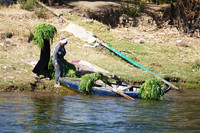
146 28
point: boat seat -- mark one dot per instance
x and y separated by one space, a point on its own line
124 88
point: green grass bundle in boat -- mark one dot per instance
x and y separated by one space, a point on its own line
152 89
69 70
88 80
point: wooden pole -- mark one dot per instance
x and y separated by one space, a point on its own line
119 92
56 14
100 82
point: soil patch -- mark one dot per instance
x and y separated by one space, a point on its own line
149 28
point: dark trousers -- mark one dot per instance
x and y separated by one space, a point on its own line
58 70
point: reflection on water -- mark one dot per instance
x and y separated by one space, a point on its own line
39 112
47 110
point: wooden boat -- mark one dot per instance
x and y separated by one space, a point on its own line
103 91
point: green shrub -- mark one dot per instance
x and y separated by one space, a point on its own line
152 89
130 8
28 5
163 1
132 11
196 65
88 80
4 4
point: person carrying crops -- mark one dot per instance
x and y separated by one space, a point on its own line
41 67
58 56
43 35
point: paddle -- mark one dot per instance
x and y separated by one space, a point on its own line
100 82
135 63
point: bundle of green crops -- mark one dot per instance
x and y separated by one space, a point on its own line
69 70
88 80
152 89
43 32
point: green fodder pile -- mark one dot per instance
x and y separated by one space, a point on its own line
88 80
69 70
42 32
152 89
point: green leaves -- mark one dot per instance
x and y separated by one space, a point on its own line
43 32
152 89
69 70
27 4
87 81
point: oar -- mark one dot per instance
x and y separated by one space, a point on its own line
100 82
135 63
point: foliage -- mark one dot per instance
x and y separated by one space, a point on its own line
28 5
196 65
88 80
4 4
152 89
163 1
69 70
40 13
131 9
43 32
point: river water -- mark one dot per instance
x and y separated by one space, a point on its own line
44 112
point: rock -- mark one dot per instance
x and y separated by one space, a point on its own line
131 19
139 41
80 32
2 44
181 43
150 21
11 77
88 20
59 20
95 45
197 33
8 40
9 35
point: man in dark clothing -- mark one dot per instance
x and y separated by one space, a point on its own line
58 56
41 67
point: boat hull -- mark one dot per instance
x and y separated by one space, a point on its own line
101 91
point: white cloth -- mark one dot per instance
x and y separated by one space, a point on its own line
64 40
80 32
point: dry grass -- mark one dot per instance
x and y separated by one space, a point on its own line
16 50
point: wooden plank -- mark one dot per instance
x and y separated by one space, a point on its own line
100 82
